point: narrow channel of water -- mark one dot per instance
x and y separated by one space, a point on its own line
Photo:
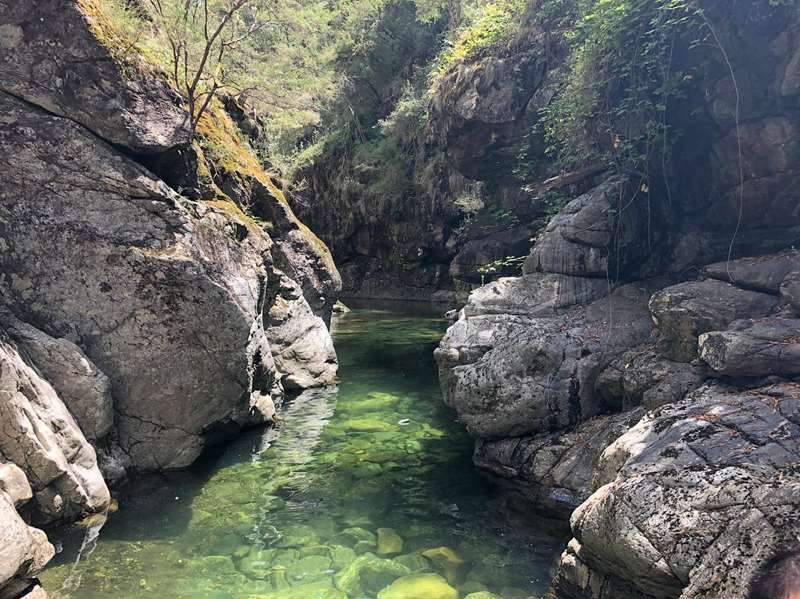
295 513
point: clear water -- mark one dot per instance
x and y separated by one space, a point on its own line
294 512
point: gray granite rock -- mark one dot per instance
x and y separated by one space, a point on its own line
764 347
38 434
692 499
67 60
684 311
83 388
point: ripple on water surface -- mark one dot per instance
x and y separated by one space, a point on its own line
367 490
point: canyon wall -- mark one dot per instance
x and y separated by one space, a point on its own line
640 376
155 298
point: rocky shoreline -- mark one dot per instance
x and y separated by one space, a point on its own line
641 377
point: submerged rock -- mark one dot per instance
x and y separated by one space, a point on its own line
447 560
368 574
419 586
389 542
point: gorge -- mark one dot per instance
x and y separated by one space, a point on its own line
602 195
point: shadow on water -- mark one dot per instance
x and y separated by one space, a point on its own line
294 512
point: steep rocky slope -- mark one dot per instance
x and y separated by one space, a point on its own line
145 314
433 204
640 375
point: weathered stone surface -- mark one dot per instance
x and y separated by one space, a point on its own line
759 273
24 550
769 346
14 484
602 233
300 342
106 256
39 435
552 471
508 375
479 118
79 383
641 377
683 312
694 498
790 290
63 56
534 295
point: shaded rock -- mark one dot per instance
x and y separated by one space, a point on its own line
493 249
83 388
602 233
106 256
683 312
446 559
641 377
479 118
67 59
414 562
790 290
754 348
553 471
759 273
368 574
693 498
419 586
509 375
38 434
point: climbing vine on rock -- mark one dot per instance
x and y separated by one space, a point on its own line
613 104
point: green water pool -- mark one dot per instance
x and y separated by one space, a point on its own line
364 491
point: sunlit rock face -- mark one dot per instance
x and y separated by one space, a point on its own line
147 311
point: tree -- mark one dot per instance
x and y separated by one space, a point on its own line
207 44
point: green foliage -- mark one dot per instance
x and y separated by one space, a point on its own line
383 169
486 25
506 265
613 104
408 116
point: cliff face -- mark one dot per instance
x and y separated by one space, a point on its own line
144 313
436 205
635 378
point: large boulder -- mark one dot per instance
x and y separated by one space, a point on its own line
103 254
64 56
602 233
691 500
757 273
552 471
642 377
769 346
511 375
301 345
684 311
